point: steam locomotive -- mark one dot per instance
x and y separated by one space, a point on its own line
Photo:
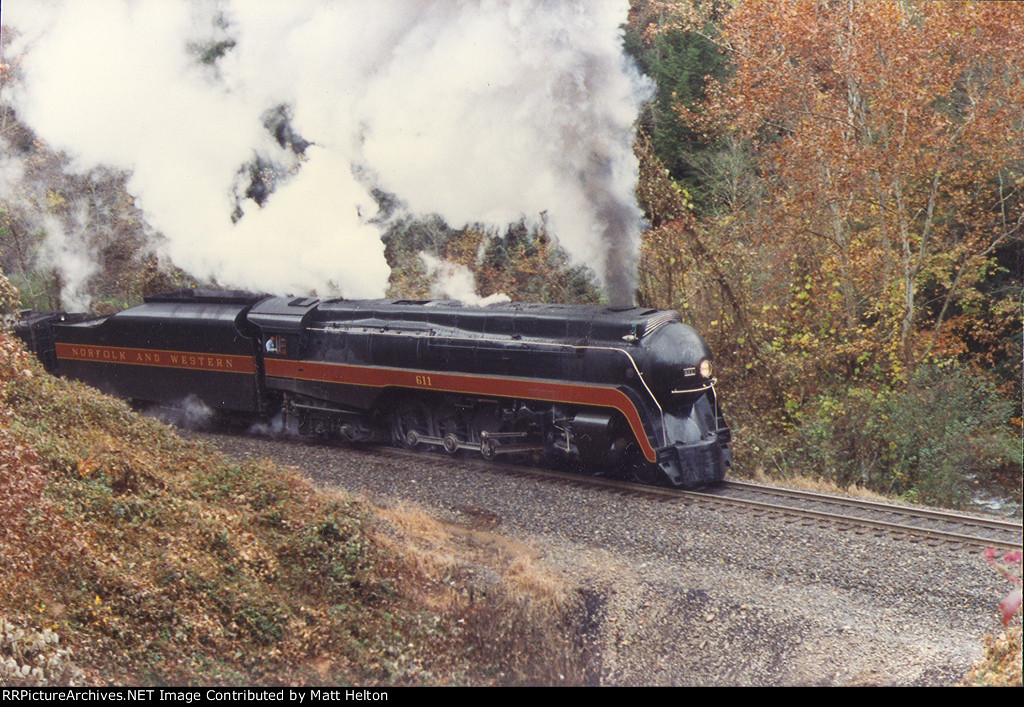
614 390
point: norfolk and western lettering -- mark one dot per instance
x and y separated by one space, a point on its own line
157 357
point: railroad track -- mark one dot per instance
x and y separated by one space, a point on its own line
862 516
849 513
914 522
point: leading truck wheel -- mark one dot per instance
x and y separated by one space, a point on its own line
410 422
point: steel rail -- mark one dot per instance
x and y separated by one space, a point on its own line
902 528
711 497
998 524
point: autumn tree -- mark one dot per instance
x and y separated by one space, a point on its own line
523 262
889 136
864 166
679 63
528 264
680 267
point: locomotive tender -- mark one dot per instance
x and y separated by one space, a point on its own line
616 389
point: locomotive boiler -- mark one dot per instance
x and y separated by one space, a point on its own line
613 390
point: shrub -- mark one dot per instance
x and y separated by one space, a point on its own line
1009 565
923 442
9 298
1001 664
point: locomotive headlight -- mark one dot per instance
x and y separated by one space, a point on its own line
705 368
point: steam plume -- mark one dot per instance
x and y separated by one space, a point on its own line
482 111
456 282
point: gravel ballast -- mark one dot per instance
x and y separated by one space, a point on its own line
692 595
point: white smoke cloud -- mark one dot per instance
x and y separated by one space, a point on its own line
482 111
63 242
456 281
68 252
12 172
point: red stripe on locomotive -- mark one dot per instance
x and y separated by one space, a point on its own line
573 394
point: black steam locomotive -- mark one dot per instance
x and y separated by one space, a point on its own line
616 390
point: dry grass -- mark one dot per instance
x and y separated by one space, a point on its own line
499 597
819 485
1001 665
